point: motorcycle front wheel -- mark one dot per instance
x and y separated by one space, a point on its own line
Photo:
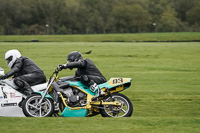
31 108
125 110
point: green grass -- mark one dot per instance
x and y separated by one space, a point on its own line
165 90
173 36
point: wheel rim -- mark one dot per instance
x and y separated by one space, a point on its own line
38 111
117 111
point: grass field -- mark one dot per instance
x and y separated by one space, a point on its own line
137 37
165 90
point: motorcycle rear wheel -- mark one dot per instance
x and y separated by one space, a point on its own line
125 110
30 106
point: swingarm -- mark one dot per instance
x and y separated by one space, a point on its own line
116 103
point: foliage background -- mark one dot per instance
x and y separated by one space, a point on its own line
28 17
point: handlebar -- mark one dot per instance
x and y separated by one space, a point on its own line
56 71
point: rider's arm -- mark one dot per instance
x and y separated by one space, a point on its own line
16 68
77 64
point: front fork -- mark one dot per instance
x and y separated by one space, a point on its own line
45 92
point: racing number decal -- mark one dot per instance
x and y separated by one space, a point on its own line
117 81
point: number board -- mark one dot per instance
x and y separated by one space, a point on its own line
118 81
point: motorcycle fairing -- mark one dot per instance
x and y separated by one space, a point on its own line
69 112
9 99
38 87
10 83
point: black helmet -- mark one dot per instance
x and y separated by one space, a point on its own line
74 56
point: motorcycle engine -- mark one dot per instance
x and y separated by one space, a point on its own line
74 97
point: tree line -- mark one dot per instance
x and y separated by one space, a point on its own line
28 17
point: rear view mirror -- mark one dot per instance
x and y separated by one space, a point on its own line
1 71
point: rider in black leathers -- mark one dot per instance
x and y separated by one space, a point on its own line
25 74
89 74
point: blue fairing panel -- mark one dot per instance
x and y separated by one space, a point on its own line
74 113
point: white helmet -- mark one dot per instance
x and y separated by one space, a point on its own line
11 56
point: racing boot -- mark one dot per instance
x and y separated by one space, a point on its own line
20 103
98 93
27 90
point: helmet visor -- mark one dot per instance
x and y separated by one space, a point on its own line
9 59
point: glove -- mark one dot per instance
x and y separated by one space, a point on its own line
59 67
2 77
65 66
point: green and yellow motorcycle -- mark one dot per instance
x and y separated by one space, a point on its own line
68 97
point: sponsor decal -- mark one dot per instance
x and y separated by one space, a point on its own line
12 95
8 104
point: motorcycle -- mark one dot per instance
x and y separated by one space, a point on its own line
68 97
10 97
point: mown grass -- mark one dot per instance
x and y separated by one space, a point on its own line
165 88
99 125
137 37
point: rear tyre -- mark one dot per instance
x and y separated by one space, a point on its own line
125 110
31 108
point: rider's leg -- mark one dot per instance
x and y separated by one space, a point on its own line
85 79
25 82
24 87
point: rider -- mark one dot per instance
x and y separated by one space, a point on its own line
24 71
89 74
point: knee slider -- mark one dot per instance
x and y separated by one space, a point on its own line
19 83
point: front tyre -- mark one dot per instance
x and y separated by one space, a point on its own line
31 108
125 110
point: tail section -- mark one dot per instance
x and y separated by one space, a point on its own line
117 82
